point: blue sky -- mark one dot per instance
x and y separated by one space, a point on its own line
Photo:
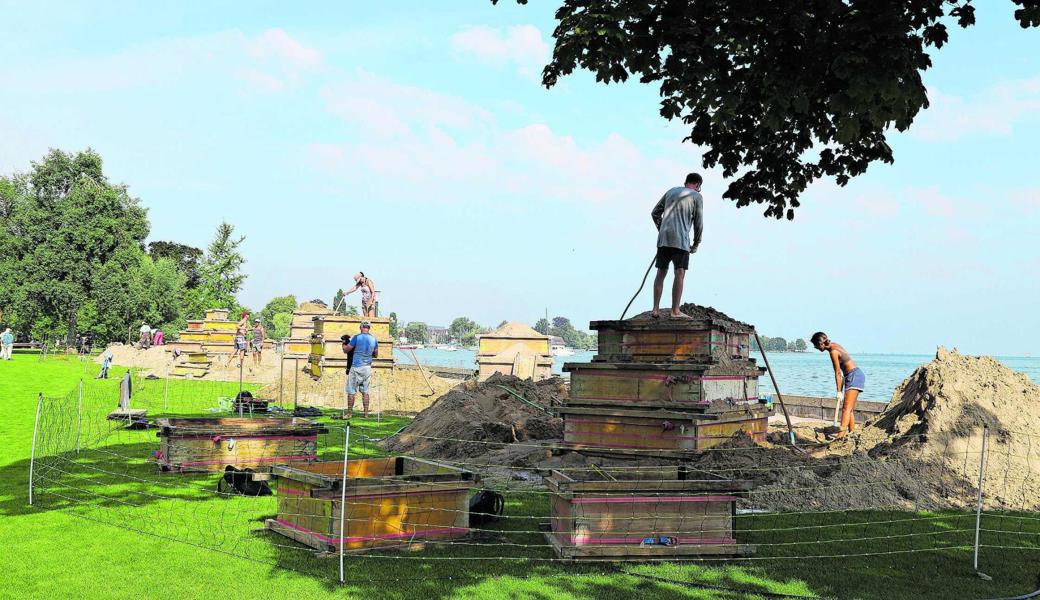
412 140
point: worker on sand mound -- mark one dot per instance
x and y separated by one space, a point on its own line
240 340
848 378
679 210
365 348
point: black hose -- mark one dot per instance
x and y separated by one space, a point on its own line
647 274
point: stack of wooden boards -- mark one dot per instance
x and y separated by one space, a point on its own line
666 389
196 364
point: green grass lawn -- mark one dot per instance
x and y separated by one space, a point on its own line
107 525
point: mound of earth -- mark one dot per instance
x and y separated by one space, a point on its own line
703 313
480 419
921 453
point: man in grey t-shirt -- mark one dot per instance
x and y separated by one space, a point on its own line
679 210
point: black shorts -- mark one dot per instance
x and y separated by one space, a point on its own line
677 256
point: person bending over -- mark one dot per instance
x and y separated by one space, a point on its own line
679 210
365 348
368 294
848 378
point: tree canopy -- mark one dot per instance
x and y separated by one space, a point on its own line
778 93
71 247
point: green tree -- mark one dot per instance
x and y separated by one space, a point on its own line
778 93
221 275
278 304
66 234
417 332
186 257
339 302
282 325
800 345
393 325
542 326
464 330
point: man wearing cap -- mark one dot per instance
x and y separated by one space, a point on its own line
259 333
365 348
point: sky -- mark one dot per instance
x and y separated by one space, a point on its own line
412 140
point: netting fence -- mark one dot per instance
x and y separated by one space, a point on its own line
412 518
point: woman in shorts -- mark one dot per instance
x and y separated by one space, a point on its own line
848 378
240 340
257 342
368 293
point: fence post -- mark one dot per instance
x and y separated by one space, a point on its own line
343 503
281 378
296 384
79 415
166 392
32 453
978 506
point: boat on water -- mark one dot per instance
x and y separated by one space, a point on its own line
410 346
446 347
558 350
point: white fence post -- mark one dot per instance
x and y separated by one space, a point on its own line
79 415
32 453
343 503
978 506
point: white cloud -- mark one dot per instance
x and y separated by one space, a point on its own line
270 61
519 45
995 111
457 149
933 201
276 44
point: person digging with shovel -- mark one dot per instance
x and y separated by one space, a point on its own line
849 380
679 210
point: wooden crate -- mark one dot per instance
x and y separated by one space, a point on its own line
217 314
210 444
648 513
665 340
198 357
609 428
335 326
389 501
670 386
195 325
534 367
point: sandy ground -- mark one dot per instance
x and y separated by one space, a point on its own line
403 391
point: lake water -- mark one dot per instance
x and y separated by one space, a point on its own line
797 373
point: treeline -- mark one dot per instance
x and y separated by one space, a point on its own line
779 344
562 327
73 259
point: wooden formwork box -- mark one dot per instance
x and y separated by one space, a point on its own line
210 444
193 369
327 353
491 345
195 325
664 340
217 314
643 514
664 385
667 431
389 502
530 366
332 327
184 346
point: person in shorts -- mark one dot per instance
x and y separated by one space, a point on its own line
676 213
359 377
848 379
240 340
257 342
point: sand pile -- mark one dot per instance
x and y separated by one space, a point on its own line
921 453
479 419
514 330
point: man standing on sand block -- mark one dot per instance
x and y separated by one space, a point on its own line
679 210
365 348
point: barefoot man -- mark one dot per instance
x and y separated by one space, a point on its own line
847 377
679 210
365 348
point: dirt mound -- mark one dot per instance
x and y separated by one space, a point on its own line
704 313
480 419
921 453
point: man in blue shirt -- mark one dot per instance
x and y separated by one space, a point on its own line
365 348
